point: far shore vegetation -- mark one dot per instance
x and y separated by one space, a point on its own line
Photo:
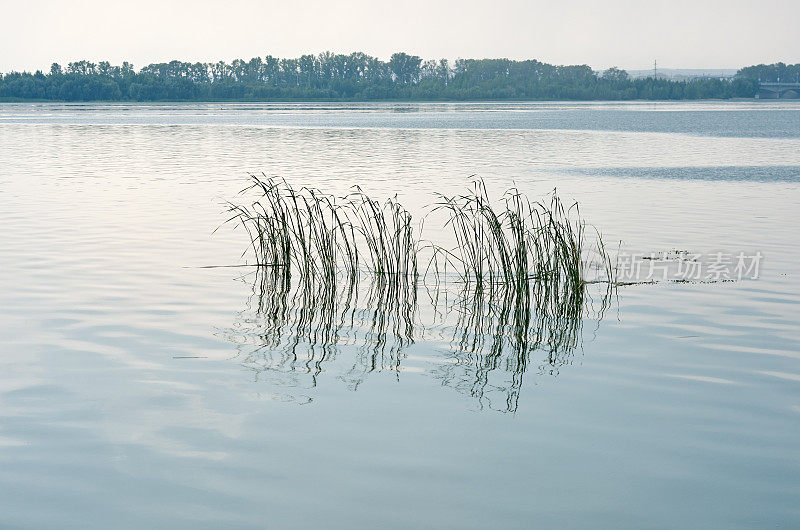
360 77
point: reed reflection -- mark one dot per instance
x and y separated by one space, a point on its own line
497 336
479 342
301 327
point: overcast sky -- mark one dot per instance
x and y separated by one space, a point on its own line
629 34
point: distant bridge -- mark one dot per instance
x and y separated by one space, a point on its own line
778 90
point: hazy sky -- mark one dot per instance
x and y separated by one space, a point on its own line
629 34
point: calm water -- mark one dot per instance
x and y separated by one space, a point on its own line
139 389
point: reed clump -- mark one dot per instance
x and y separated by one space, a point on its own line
320 237
509 245
516 242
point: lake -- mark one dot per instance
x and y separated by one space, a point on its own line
144 384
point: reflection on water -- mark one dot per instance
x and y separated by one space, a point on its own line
480 342
295 329
497 335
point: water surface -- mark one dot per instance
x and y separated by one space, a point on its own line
140 389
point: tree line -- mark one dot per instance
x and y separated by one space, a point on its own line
360 77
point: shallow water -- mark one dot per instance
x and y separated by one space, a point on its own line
139 389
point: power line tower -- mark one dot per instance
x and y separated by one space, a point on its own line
655 69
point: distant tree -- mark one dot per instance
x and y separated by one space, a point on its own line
615 75
104 68
271 68
307 66
404 67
